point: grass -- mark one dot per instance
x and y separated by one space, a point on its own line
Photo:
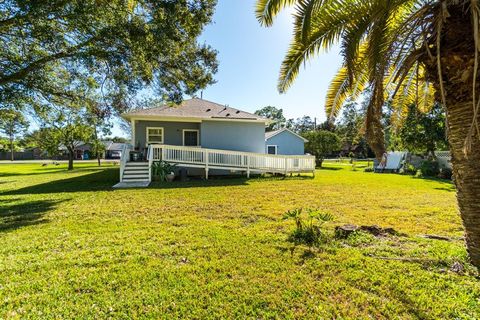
71 247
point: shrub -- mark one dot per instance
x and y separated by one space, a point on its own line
160 169
368 169
409 169
430 168
445 173
308 230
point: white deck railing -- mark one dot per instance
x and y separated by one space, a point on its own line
230 160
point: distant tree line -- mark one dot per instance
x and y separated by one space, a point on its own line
419 131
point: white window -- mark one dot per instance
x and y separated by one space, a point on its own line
154 135
272 149
191 137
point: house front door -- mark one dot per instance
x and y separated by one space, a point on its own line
190 138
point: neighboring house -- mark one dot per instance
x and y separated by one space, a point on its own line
83 151
285 142
198 123
113 150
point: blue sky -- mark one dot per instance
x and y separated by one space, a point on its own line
249 58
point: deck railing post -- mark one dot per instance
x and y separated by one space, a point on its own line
205 155
286 166
150 151
248 167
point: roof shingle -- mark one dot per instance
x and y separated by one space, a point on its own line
195 108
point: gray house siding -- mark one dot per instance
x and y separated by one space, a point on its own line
287 144
172 131
237 136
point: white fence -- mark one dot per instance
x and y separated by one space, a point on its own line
444 159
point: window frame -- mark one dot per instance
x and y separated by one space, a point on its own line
191 130
147 139
276 149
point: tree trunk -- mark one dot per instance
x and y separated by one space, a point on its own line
319 162
70 159
466 170
457 65
374 129
11 149
98 160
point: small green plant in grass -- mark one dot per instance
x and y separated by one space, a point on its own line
308 225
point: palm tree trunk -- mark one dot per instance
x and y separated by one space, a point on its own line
457 56
466 169
374 129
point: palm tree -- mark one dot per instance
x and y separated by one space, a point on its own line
403 51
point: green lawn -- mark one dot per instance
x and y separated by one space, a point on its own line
71 247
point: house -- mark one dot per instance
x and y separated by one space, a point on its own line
284 141
202 137
198 123
83 151
113 150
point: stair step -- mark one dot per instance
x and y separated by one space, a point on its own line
135 180
136 170
137 164
125 173
135 175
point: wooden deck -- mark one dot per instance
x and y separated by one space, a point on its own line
207 159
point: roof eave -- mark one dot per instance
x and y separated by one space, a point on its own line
130 117
288 130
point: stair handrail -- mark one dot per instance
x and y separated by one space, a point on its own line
124 158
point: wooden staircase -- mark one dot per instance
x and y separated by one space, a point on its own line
136 172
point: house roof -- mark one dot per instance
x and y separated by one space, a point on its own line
271 134
196 109
115 146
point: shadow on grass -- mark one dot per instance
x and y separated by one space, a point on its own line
330 168
447 185
199 183
15 216
219 181
54 170
99 180
16 174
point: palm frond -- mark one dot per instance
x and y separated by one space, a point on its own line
342 89
328 24
267 10
304 12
